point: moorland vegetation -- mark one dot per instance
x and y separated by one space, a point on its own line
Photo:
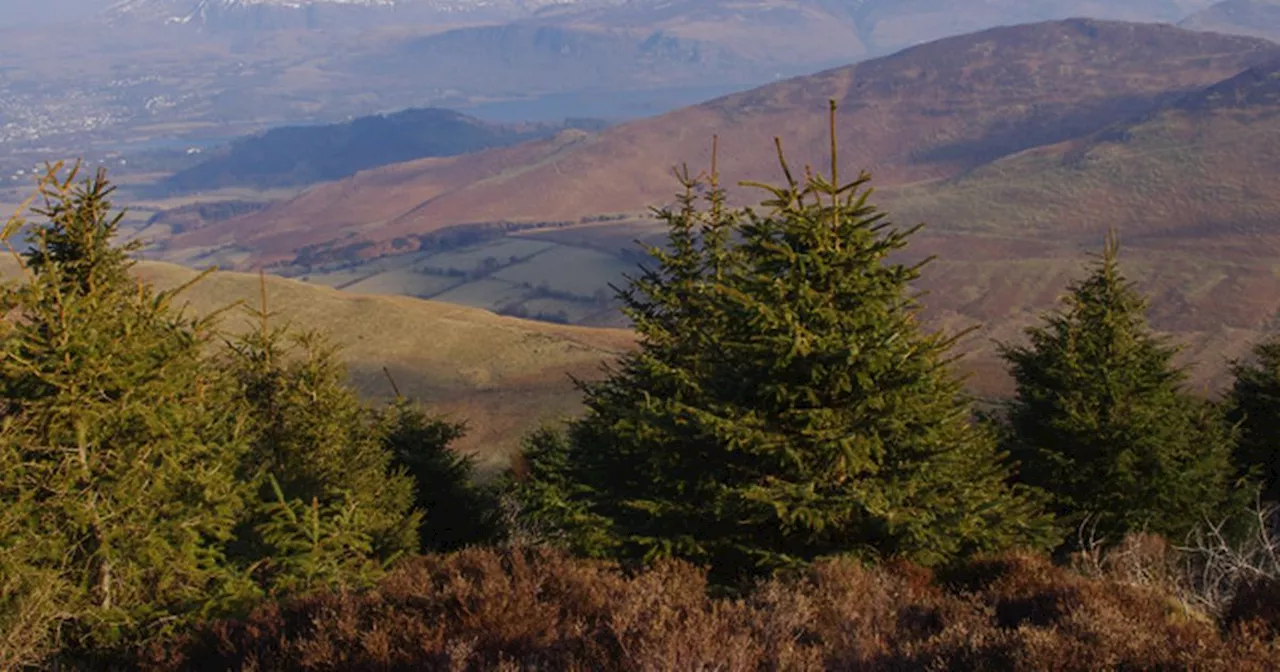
786 473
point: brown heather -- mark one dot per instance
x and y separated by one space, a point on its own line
486 609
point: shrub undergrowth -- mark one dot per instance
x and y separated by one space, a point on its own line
528 608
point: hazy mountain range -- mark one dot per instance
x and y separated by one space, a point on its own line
162 71
1019 146
934 112
241 15
1260 18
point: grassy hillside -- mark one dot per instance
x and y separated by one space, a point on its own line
503 375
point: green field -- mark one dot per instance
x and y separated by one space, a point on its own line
530 276
573 270
407 283
485 293
502 250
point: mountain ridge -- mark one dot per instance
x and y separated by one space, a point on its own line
1091 125
290 156
1259 18
938 110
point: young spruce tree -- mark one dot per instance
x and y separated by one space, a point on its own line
457 511
1101 421
784 402
119 446
334 507
1254 406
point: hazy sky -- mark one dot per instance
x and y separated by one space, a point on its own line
29 12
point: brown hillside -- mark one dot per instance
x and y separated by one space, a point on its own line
933 111
1190 188
504 376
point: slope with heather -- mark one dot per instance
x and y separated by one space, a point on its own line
930 112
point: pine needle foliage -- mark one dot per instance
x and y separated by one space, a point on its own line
1101 420
307 546
149 478
317 451
1254 406
784 403
550 505
119 447
457 511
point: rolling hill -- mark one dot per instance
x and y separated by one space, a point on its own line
1019 146
503 375
299 155
927 113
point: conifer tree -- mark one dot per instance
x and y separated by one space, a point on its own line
1254 406
119 446
550 506
784 402
1101 422
316 449
457 511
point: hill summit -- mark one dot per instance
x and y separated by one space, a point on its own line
1256 87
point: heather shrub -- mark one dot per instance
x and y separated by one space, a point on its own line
525 609
475 609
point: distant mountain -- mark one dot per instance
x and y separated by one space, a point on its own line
239 15
652 44
1259 18
222 67
881 26
1189 186
300 155
927 113
250 14
1019 146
